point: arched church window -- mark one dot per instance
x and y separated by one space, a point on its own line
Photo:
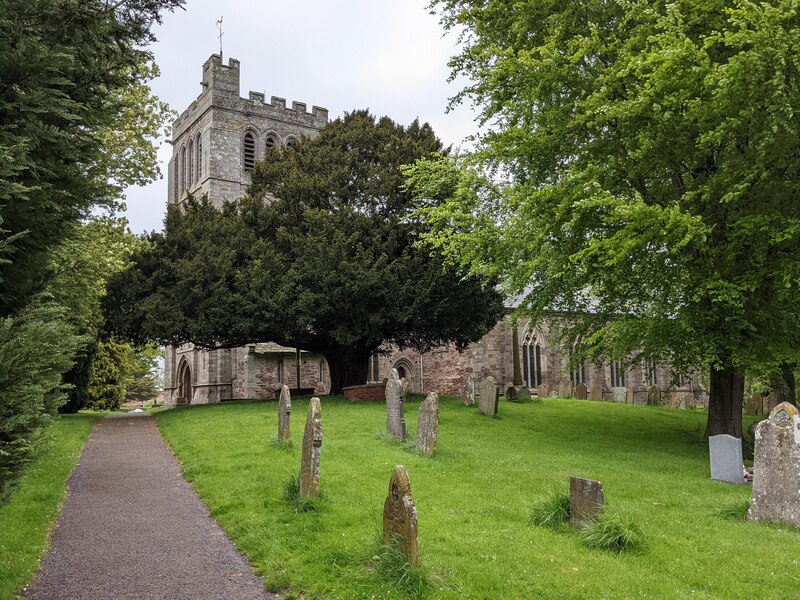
183 168
199 158
531 360
291 142
191 163
249 151
270 141
617 374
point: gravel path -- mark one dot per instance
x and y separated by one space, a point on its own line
132 528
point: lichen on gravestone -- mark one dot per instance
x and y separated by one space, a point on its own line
400 516
586 501
284 415
490 395
395 416
312 449
428 424
468 389
581 391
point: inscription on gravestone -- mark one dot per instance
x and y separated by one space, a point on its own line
725 453
581 391
585 501
428 424
400 516
395 417
776 467
490 395
312 448
284 414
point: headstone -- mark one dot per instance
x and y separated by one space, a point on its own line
428 424
565 389
630 396
585 501
468 389
689 400
395 417
406 384
312 448
284 414
770 402
654 396
542 391
776 467
677 400
523 393
400 516
581 391
725 453
619 394
489 396
596 392
753 405
511 394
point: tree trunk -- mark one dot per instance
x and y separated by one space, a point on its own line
784 385
346 368
725 402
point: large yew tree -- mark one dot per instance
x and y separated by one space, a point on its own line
322 255
640 172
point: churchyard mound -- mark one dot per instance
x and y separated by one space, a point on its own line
474 498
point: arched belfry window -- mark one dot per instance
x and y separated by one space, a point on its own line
270 142
191 163
249 151
199 157
291 142
183 168
531 360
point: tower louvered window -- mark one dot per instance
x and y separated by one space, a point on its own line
249 151
199 159
191 164
270 142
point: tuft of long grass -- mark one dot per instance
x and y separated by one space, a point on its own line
292 497
613 532
735 511
391 563
551 511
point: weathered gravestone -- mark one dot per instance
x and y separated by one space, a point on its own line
490 395
619 394
284 415
400 516
517 393
654 396
596 392
677 400
312 448
585 501
565 388
542 391
689 401
468 389
630 396
581 391
770 402
725 453
511 394
406 384
428 424
753 405
776 467
395 417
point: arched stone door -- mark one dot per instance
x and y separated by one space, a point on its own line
184 383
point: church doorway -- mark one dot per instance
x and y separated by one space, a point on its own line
184 383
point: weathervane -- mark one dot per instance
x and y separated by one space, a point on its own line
219 26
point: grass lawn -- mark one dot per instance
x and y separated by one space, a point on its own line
34 505
474 498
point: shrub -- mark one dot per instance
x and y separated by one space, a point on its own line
551 511
612 532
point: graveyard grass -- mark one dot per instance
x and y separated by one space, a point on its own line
474 498
35 502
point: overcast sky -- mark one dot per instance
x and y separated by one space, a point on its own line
386 55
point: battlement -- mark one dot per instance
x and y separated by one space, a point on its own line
219 77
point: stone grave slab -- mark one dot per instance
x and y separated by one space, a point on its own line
725 454
395 415
312 449
284 415
490 396
585 501
428 424
400 516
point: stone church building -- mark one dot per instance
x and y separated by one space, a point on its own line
216 142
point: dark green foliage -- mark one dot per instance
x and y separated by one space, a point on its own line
612 532
551 511
331 265
77 380
110 375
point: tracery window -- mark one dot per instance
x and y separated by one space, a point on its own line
617 374
531 360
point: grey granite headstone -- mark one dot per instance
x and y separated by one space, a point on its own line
596 392
468 389
619 394
312 449
654 396
428 424
725 452
489 396
776 467
542 391
284 415
581 391
585 501
395 417
565 389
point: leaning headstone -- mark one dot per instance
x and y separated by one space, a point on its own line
581 391
630 396
468 389
542 391
395 417
400 516
489 396
312 448
595 392
565 389
428 424
284 414
725 453
753 405
619 394
585 501
511 394
654 396
776 467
